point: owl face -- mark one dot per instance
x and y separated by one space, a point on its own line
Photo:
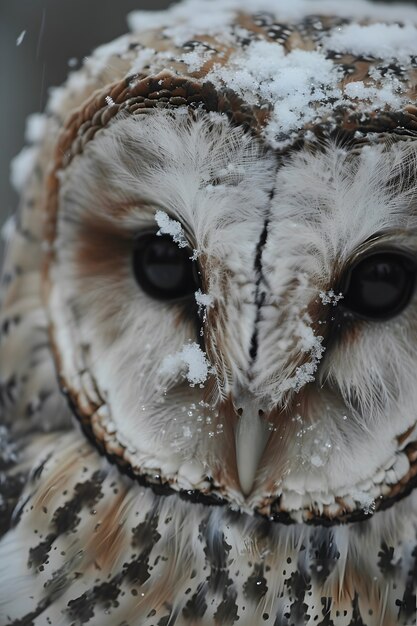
238 326
231 264
216 254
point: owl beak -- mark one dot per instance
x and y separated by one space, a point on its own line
252 435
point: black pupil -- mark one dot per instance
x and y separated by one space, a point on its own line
380 286
163 269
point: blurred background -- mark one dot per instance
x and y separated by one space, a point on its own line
40 40
59 33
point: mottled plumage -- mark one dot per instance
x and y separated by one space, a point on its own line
247 455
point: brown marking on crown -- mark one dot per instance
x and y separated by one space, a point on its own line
359 71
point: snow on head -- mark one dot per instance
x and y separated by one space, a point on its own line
298 86
390 42
365 501
191 17
294 82
190 357
187 19
168 226
388 94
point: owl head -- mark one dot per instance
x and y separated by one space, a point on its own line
231 251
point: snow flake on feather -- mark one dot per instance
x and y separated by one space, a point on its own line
390 42
168 226
310 344
190 358
298 86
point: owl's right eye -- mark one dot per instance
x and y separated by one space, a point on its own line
380 286
162 269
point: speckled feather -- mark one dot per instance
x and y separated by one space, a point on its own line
97 549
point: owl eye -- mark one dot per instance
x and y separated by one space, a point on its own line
162 269
380 286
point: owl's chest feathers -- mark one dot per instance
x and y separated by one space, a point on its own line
96 548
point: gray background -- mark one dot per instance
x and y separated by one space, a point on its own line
56 31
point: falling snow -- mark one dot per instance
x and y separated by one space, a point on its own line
20 38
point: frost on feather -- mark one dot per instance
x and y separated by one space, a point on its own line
191 360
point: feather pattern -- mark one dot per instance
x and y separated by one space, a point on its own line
248 456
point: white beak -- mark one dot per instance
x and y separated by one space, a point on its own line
252 435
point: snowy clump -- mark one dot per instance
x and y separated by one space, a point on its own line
310 344
22 166
390 42
189 19
209 16
35 127
8 228
299 87
293 82
330 297
193 358
203 299
196 58
366 502
98 62
378 96
168 226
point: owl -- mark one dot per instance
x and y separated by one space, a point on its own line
208 332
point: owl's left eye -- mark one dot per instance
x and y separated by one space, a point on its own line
380 285
164 270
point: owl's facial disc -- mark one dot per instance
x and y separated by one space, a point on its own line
236 328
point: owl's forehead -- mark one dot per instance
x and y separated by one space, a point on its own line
290 76
314 106
222 183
